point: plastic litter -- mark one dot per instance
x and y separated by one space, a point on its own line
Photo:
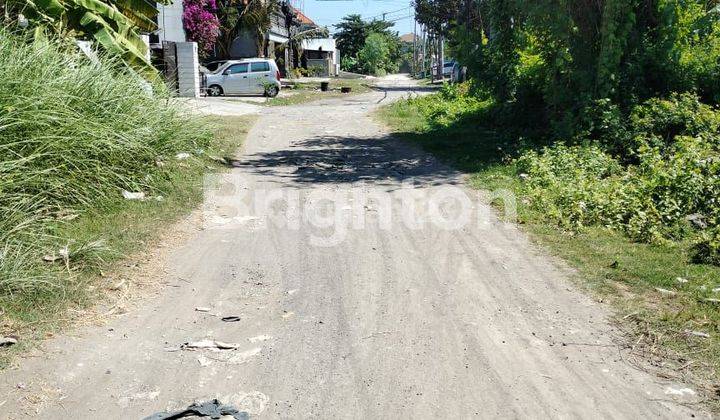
230 318
213 409
133 195
8 341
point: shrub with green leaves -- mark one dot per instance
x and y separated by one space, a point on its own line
453 103
73 134
669 192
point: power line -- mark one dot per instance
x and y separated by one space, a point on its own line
384 14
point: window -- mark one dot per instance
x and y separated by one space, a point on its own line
237 68
259 66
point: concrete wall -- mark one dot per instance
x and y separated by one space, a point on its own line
188 73
170 22
324 44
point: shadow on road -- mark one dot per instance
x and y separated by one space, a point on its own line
334 159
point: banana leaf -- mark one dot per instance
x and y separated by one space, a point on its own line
114 24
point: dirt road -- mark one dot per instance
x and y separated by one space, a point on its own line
372 319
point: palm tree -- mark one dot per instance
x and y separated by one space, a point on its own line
257 18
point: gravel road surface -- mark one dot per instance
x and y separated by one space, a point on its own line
347 312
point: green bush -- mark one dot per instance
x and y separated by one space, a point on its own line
657 122
73 135
670 194
453 103
706 248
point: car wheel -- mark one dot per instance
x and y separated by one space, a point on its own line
215 90
272 91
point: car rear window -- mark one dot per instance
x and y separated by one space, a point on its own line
260 66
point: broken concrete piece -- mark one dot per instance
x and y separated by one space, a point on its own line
208 344
665 292
62 254
133 195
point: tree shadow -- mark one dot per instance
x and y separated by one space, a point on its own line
476 142
339 159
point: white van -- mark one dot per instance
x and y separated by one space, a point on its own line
259 76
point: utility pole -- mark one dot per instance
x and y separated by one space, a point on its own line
414 62
441 57
422 63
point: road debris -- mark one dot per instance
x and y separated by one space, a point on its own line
681 280
665 292
697 334
203 309
679 391
230 318
213 409
8 341
133 195
182 156
208 344
62 254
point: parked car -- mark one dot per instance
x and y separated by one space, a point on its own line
448 68
457 73
243 77
212 66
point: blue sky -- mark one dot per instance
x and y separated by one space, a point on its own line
328 12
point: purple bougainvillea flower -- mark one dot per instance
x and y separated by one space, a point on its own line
200 23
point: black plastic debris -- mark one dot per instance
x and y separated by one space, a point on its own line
231 318
8 341
213 409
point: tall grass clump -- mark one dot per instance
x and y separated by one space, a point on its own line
74 133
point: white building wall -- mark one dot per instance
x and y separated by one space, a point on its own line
170 22
188 73
315 44
324 44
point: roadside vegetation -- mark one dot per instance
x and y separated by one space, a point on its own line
370 47
93 162
605 124
592 210
307 92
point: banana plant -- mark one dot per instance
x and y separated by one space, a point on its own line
115 25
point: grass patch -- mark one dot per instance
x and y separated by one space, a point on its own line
618 270
122 228
307 92
76 135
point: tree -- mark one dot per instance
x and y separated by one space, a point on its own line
353 31
257 18
254 16
375 54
